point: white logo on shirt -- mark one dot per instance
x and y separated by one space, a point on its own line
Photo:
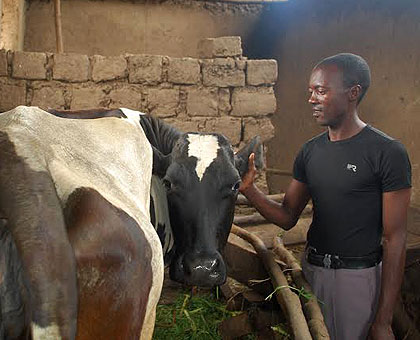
351 167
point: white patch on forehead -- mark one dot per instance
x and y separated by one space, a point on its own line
133 117
204 148
45 333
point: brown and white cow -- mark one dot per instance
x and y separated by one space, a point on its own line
79 256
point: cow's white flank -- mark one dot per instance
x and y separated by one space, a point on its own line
73 152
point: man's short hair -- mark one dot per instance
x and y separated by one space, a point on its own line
355 70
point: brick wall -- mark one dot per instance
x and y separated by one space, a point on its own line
222 91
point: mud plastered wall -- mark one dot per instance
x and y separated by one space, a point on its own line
113 27
220 92
300 33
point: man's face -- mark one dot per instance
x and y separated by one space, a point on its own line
329 98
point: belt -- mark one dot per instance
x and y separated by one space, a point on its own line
343 262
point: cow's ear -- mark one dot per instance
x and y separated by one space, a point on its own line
242 156
161 162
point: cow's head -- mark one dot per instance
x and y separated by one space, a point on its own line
202 177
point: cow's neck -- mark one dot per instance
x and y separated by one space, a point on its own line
161 135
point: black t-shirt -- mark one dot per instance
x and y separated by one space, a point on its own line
346 180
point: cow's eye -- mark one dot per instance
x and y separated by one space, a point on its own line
235 187
167 184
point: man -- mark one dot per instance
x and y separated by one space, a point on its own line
359 180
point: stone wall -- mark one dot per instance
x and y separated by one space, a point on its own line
221 91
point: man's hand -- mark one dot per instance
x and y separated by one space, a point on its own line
248 177
381 332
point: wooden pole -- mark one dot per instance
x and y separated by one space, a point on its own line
288 300
58 31
243 200
311 307
279 172
257 218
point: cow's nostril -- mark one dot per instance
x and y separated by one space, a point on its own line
207 265
201 265
203 269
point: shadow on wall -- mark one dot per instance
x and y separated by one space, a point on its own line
300 33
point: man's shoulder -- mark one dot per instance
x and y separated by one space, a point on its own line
385 150
378 135
321 138
381 140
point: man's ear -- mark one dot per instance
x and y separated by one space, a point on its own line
161 162
242 156
355 92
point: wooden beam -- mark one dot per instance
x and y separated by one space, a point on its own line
58 30
278 172
243 200
288 300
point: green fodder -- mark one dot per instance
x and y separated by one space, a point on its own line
196 317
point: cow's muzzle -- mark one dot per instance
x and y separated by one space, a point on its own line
199 269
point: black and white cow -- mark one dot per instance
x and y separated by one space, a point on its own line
79 255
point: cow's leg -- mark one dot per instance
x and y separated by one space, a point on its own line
29 202
113 264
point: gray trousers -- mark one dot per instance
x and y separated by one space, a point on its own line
348 298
